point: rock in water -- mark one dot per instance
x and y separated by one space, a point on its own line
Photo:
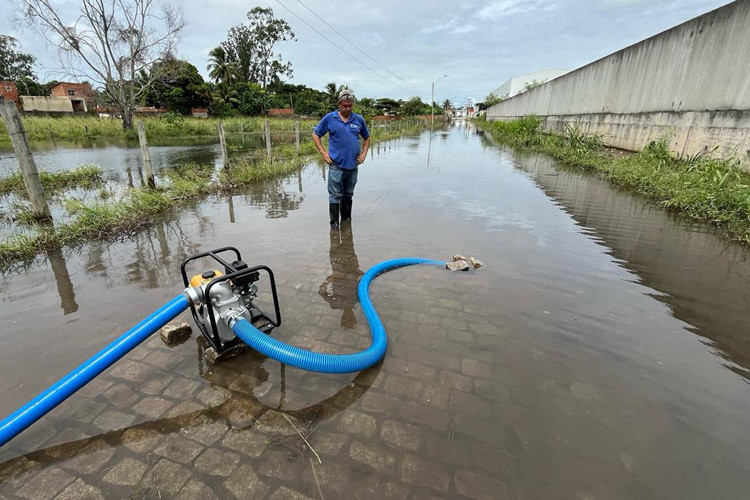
174 333
458 265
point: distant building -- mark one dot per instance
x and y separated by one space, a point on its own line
199 112
517 84
8 92
80 95
280 112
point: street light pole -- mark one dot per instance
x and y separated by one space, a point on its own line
432 101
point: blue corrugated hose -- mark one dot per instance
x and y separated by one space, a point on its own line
46 401
331 363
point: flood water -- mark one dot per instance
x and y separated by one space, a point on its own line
118 156
603 352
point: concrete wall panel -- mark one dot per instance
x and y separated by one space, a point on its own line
47 104
689 84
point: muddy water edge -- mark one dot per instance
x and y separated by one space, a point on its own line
602 353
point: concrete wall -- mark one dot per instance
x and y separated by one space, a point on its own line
47 104
689 84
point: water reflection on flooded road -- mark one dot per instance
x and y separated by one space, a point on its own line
603 351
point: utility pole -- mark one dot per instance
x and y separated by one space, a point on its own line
432 101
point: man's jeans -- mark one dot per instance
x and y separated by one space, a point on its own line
341 182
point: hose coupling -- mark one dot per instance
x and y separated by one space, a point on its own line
194 294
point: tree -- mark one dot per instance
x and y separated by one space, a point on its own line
177 86
365 107
491 99
221 69
32 87
252 99
239 50
251 47
533 84
111 43
332 94
388 106
415 106
447 105
267 32
14 65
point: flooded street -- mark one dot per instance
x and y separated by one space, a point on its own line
603 352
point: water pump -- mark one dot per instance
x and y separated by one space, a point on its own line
218 299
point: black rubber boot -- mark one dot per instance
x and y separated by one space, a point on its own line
333 210
346 209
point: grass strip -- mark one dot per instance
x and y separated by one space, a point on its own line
84 176
102 220
84 127
701 187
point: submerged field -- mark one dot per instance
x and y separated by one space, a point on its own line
106 215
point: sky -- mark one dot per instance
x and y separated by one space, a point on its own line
411 44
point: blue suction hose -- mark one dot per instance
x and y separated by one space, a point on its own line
331 363
35 409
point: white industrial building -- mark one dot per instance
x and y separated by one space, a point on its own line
516 84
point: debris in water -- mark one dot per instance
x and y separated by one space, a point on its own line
457 265
461 263
475 263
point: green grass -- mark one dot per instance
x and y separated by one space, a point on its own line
78 128
702 187
107 219
85 176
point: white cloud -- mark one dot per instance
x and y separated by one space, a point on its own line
502 8
467 28
440 26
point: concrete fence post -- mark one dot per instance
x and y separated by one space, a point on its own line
296 135
145 154
223 144
30 173
268 138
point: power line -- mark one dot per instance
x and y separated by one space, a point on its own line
352 43
339 47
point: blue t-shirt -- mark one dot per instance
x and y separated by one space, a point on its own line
343 138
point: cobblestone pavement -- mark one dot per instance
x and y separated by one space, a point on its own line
162 423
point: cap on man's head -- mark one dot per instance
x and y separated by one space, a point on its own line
346 94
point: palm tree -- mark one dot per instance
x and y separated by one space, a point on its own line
447 104
332 93
226 95
221 69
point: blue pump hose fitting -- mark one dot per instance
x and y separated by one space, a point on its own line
331 363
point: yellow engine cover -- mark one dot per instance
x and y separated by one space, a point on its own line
201 279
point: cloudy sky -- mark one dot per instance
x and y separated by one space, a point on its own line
477 44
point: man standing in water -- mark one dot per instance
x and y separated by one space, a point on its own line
344 154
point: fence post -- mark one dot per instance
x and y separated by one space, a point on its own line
145 154
223 144
296 135
268 138
17 133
